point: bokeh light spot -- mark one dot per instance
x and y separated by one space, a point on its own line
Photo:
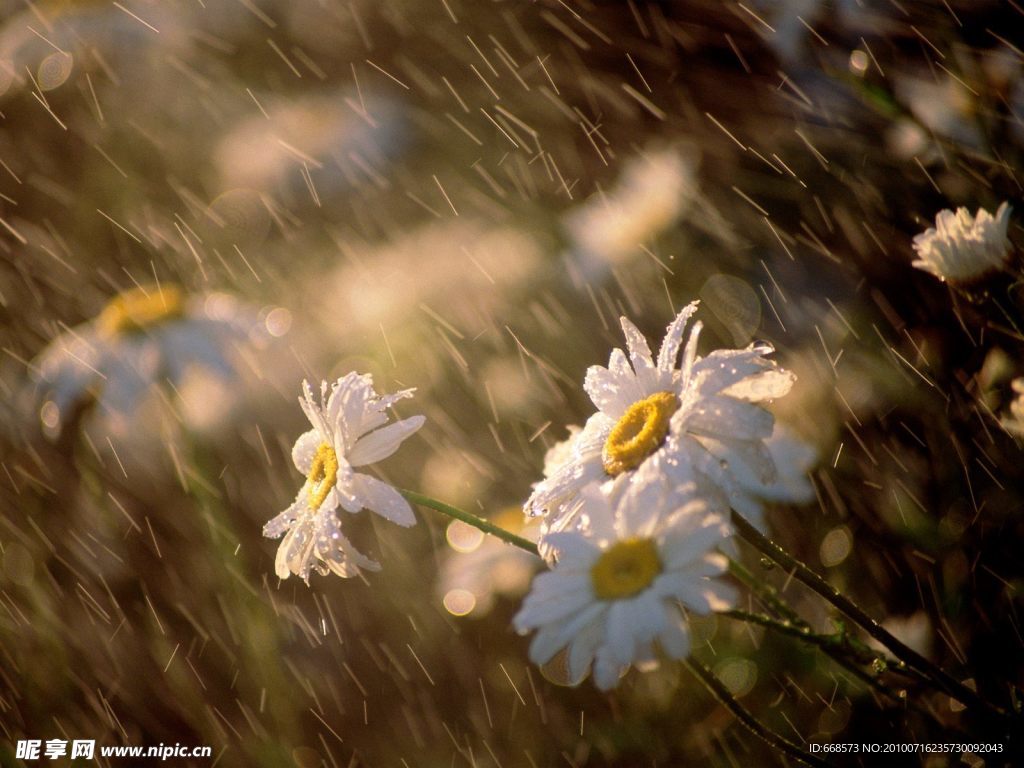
836 546
459 602
738 675
54 70
462 537
278 322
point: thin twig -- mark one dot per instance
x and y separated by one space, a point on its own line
838 647
802 573
741 713
766 593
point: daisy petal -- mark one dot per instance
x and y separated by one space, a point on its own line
381 443
669 352
305 449
636 344
381 498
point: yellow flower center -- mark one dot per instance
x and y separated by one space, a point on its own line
323 474
638 433
625 569
141 308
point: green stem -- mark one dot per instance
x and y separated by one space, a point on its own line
839 647
471 519
766 593
942 679
838 641
741 713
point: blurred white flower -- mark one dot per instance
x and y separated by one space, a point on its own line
85 35
694 423
615 592
1014 423
942 104
317 146
653 192
961 248
348 431
143 337
793 459
463 269
915 631
482 568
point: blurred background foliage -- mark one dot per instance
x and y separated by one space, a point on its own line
463 197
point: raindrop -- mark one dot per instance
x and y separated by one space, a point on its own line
738 675
462 537
735 304
834 718
18 564
306 757
556 671
835 547
239 218
278 322
858 62
459 602
49 415
54 70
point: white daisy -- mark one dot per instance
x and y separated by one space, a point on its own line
962 248
144 336
348 431
694 422
616 593
653 192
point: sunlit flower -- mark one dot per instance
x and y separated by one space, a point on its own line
312 147
482 568
652 193
143 337
348 431
616 594
694 422
962 248
474 267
